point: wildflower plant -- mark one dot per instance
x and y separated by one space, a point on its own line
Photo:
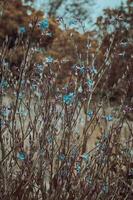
41 156
44 24
22 30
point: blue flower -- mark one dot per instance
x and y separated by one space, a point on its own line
22 112
82 69
61 157
93 70
109 118
81 120
105 188
90 113
85 156
21 155
6 112
34 87
4 84
44 24
78 168
88 180
20 95
90 83
49 59
22 29
68 98
50 139
40 67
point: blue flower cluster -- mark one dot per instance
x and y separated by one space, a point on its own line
39 68
90 113
109 118
50 139
88 180
105 188
22 112
22 29
68 98
78 168
81 68
21 155
49 59
90 83
44 24
6 111
85 157
4 84
61 157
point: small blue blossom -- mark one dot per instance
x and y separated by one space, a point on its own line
22 112
39 67
90 113
88 180
81 120
78 168
34 87
20 95
2 123
49 59
62 157
68 98
85 156
90 83
105 188
22 29
6 112
82 69
93 70
44 24
21 155
49 139
109 118
4 84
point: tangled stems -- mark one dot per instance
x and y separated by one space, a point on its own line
59 143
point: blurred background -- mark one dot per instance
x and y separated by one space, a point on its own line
76 30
